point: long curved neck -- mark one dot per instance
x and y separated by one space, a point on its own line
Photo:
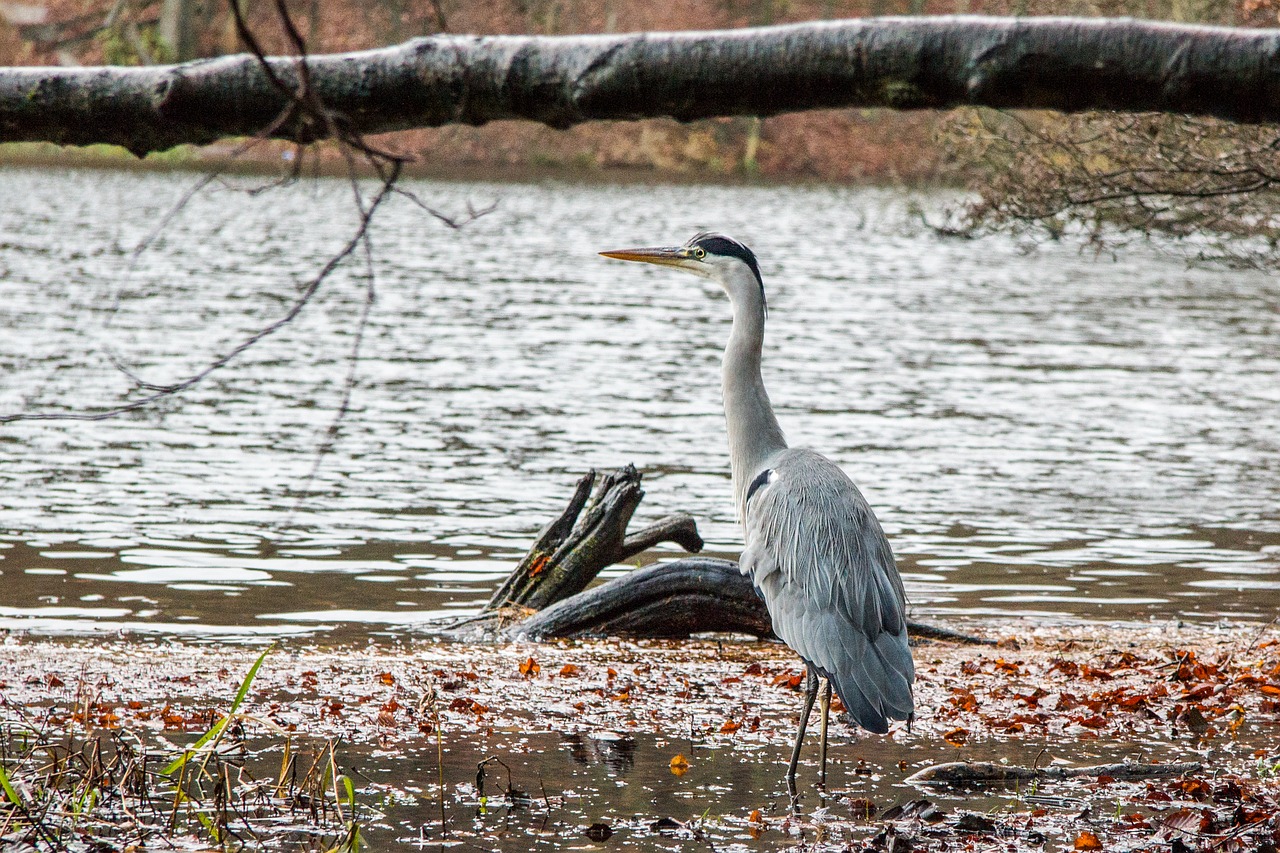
754 434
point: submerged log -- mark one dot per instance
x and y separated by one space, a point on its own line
694 595
544 596
960 774
689 596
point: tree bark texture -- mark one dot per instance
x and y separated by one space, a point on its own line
589 535
906 63
667 600
177 29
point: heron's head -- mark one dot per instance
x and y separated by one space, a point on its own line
717 257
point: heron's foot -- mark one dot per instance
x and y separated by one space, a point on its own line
794 796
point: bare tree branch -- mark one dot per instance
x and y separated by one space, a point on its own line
907 63
161 391
1208 183
304 103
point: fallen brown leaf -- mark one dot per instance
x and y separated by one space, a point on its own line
1086 840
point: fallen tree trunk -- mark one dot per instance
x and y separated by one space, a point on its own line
544 595
690 596
1068 64
694 595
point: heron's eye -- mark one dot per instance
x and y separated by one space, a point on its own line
699 252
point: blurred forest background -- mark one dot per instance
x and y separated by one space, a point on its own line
879 146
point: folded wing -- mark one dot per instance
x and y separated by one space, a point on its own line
820 560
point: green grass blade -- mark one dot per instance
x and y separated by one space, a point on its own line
213 732
7 786
351 790
217 727
208 825
248 679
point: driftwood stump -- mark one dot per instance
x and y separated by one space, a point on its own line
677 599
589 535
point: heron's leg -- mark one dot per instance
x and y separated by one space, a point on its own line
810 694
824 703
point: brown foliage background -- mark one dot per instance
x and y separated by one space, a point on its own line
847 145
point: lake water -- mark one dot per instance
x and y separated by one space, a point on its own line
1044 433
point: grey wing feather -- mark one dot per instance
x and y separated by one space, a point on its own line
819 558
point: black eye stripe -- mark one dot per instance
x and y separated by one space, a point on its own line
718 244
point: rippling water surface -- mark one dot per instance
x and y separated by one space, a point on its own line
1043 433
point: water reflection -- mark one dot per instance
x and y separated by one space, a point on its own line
615 751
1045 434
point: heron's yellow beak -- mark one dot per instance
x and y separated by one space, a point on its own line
677 256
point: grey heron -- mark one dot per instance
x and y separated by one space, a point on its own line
813 547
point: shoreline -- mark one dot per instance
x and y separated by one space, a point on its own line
203 160
1188 718
1239 645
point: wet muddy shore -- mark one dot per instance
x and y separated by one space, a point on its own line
651 745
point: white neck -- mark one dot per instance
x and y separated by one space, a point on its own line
754 434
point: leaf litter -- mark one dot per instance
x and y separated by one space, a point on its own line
636 745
